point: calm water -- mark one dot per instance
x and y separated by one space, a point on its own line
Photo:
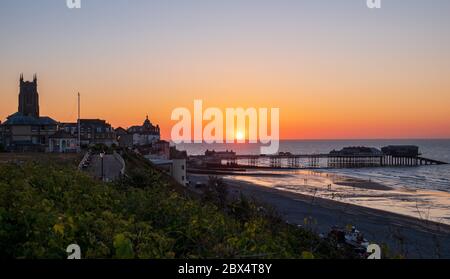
424 177
422 192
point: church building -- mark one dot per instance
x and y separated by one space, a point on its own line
26 130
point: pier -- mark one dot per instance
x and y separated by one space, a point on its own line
349 157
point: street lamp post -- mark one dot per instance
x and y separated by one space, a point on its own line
102 154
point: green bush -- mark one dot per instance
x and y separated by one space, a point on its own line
45 208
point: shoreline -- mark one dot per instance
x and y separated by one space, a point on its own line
233 184
406 235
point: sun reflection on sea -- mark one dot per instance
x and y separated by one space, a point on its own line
422 204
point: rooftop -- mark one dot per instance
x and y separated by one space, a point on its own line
20 119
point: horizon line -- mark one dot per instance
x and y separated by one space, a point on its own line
342 139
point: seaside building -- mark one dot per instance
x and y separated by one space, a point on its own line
63 142
145 134
177 154
157 150
212 158
357 151
26 130
401 150
120 131
92 131
228 154
176 168
124 139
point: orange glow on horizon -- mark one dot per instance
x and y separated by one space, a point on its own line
335 71
344 107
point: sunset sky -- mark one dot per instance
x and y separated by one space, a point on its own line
336 69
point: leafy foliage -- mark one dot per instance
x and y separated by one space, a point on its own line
216 192
44 208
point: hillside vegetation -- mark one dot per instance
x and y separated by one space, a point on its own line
45 207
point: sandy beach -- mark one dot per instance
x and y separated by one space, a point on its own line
404 235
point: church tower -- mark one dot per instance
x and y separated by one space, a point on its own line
29 97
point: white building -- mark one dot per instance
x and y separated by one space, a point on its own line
146 134
175 168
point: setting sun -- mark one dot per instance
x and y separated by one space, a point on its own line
240 135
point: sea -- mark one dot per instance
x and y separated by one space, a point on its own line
433 177
420 191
